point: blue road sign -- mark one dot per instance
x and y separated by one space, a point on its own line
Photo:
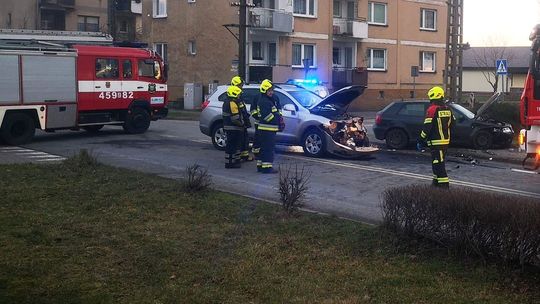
502 67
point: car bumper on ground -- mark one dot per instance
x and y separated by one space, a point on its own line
338 149
379 132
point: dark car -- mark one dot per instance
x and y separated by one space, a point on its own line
400 124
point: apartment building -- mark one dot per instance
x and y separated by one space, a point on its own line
120 18
340 43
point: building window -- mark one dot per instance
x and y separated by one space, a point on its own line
272 53
124 26
377 13
337 9
192 47
257 52
88 24
336 56
428 19
303 52
427 61
159 8
304 7
376 59
161 49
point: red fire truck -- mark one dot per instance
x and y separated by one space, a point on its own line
54 86
530 106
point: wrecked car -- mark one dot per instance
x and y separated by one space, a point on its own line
400 124
319 125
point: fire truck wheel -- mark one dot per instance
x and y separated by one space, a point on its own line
18 128
93 129
137 122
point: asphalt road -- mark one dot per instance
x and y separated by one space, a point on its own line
345 188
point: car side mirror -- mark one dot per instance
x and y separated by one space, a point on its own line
289 107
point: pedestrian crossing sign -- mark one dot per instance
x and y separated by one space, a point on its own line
502 67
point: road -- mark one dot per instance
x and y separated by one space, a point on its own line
345 188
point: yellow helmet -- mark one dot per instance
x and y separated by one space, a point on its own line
266 85
233 91
436 93
236 81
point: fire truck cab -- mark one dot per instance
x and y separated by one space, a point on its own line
530 106
54 86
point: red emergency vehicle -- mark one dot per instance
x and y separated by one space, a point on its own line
530 106
54 86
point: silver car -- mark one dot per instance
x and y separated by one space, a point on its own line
307 117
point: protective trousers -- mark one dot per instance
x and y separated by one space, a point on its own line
256 147
268 143
244 153
438 159
232 149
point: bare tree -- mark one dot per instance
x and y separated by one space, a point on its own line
486 58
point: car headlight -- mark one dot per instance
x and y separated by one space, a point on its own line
507 130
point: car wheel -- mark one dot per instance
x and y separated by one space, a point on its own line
482 140
137 121
93 129
313 143
397 139
219 137
18 129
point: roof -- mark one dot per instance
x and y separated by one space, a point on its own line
111 51
482 58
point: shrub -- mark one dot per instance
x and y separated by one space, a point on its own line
196 178
476 223
293 185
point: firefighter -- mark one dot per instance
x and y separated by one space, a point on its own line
256 147
436 134
233 123
269 125
244 153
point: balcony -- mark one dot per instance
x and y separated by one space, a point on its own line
57 3
342 77
350 28
270 20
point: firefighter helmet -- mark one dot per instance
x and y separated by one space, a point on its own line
436 93
236 81
233 91
265 86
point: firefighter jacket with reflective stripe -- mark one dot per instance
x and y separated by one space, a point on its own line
232 116
244 112
437 123
255 109
269 113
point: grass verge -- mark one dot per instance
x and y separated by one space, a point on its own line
97 234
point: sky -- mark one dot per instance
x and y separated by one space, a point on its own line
499 22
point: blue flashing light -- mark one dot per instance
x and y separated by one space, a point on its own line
312 81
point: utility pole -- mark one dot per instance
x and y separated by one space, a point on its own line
454 50
242 33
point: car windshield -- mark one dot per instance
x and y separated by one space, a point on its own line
464 111
306 98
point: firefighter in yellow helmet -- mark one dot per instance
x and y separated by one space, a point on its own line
244 153
233 123
436 134
269 125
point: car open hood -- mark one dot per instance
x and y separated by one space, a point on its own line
342 98
492 101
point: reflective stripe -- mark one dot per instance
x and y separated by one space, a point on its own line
256 151
442 156
254 112
268 127
269 117
244 153
443 180
266 165
438 142
274 109
428 120
423 134
439 122
445 113
435 161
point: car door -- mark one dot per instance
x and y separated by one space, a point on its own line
412 116
290 117
462 129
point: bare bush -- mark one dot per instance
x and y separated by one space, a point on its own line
81 160
293 185
197 178
475 223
